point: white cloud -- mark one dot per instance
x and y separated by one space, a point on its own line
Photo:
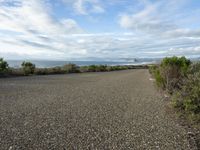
33 16
162 18
31 30
193 33
86 7
162 22
148 20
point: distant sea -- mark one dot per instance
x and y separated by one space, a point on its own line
48 64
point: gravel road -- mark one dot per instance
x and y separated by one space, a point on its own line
113 110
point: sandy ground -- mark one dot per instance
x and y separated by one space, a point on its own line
114 110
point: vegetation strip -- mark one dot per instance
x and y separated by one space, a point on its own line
28 68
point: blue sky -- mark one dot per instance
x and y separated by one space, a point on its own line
109 29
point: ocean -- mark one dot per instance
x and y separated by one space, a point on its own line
48 64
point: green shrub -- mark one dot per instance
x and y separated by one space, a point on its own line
28 68
92 68
188 97
71 68
102 68
160 81
170 73
152 69
115 68
3 66
83 69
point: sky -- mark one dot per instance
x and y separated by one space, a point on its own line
99 29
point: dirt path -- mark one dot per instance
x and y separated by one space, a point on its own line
115 110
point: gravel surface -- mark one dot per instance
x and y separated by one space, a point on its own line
113 110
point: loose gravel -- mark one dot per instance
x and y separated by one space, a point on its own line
113 110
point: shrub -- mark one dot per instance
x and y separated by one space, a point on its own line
160 81
3 66
102 68
194 68
16 72
56 70
42 71
28 68
188 98
68 68
113 68
92 68
83 69
152 69
171 71
71 68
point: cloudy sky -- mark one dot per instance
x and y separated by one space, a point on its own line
83 29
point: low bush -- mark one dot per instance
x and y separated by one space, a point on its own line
96 68
152 68
3 67
92 68
115 68
102 68
56 70
188 98
83 69
194 68
42 71
16 72
71 68
28 68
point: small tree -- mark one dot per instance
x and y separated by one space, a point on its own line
28 68
3 66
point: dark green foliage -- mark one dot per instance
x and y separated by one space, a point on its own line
28 68
3 66
42 71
